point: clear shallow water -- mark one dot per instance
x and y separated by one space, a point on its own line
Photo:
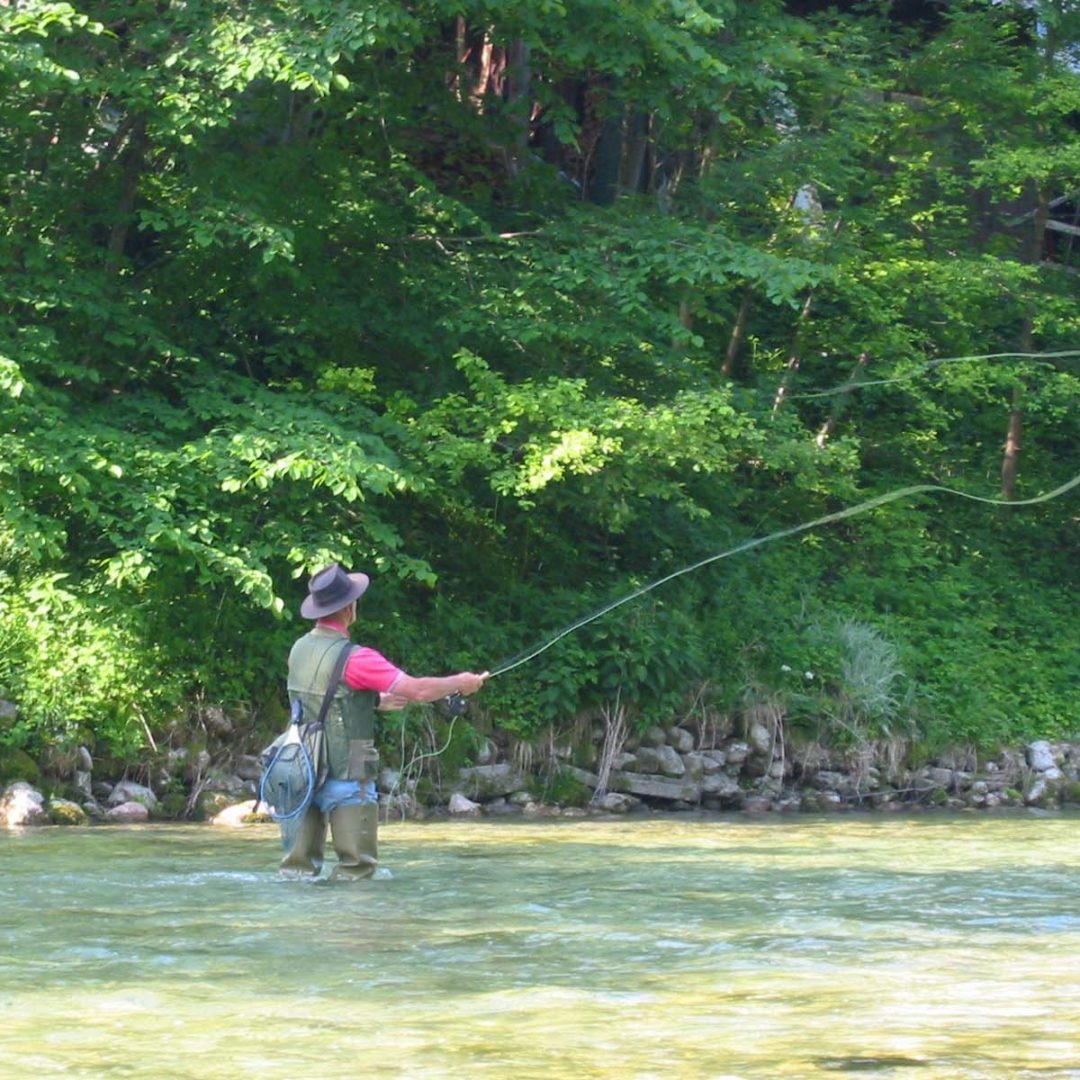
923 948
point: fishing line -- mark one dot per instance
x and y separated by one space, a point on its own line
839 515
862 384
870 504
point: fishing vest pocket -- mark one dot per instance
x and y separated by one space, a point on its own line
363 760
358 713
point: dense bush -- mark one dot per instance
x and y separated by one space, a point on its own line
521 308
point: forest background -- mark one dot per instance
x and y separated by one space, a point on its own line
519 306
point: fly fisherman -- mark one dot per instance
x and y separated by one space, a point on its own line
369 682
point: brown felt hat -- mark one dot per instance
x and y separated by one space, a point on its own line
330 590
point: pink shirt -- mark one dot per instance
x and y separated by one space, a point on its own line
366 669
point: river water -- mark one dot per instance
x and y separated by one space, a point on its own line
678 947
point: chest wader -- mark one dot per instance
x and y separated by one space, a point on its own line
350 745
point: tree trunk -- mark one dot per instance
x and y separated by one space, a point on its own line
518 96
485 66
632 172
738 331
1011 461
841 401
738 334
605 179
795 359
131 161
795 356
461 55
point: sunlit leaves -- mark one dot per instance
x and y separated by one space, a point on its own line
294 281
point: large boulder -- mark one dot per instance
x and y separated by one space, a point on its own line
616 802
66 812
1037 792
83 783
233 817
839 783
760 738
211 803
1040 756
644 785
490 781
128 791
21 804
681 739
127 813
229 783
656 787
703 763
460 805
248 767
736 752
720 786
663 759
942 778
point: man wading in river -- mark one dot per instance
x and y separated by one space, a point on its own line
369 682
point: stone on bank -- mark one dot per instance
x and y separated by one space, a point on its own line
672 769
21 804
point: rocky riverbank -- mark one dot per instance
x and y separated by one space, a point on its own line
666 769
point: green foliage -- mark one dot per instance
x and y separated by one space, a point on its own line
409 737
17 765
860 689
561 788
293 282
78 669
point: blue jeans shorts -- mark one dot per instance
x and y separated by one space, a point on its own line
335 793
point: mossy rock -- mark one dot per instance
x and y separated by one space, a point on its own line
66 812
18 765
1070 792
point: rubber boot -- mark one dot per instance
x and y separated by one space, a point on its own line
355 831
306 854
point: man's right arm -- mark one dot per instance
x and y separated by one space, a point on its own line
434 687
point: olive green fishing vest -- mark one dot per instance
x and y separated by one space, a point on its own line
350 720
